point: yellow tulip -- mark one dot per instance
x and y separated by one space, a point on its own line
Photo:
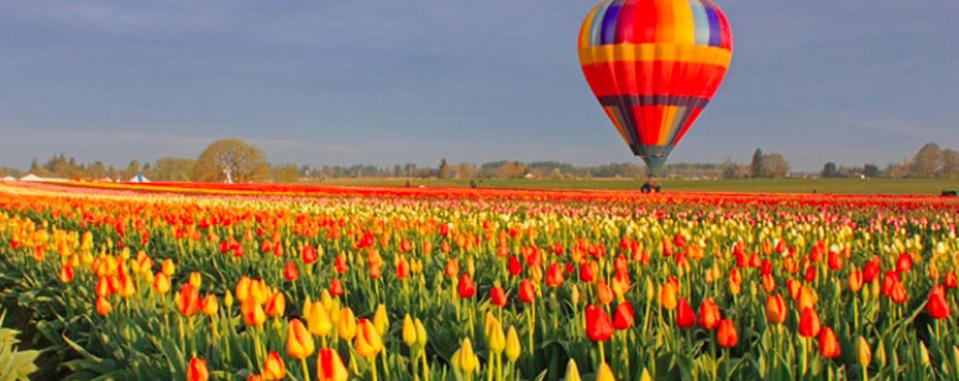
465 359
317 319
347 324
513 346
605 373
368 342
409 331
380 320
572 372
299 342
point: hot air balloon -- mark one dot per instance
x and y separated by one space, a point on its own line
654 65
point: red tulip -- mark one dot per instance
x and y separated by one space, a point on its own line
828 344
624 317
497 296
950 280
709 315
340 264
309 254
726 334
402 269
515 267
685 315
937 305
904 263
467 288
599 327
290 272
554 275
587 271
527 291
336 288
872 270
809 323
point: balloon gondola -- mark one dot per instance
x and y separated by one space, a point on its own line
654 65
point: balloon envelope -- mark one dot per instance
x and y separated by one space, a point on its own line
654 65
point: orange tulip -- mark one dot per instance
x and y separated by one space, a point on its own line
66 273
252 311
709 315
806 298
276 306
329 367
726 334
299 341
855 280
273 368
103 306
775 309
197 370
809 323
667 296
603 292
161 283
828 344
188 300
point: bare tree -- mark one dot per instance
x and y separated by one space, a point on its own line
928 161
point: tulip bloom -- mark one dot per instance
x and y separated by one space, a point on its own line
855 280
466 287
161 283
513 346
775 309
937 305
599 327
188 300
276 306
950 280
103 306
828 344
603 292
66 273
554 275
336 288
273 368
685 315
329 366
368 342
624 319
726 334
252 312
709 315
346 325
299 341
309 254
497 296
210 305
290 272
197 370
605 373
809 323
527 291
667 296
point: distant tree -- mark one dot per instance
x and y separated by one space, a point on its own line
757 165
927 162
231 160
6 171
465 171
444 171
829 170
285 173
132 169
172 169
871 170
511 170
774 165
950 164
96 170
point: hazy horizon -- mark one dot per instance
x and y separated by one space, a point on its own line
389 83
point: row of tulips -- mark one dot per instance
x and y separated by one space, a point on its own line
410 288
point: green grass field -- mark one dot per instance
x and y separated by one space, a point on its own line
839 186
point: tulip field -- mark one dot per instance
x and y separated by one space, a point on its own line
184 281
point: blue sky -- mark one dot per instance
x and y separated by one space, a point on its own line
383 82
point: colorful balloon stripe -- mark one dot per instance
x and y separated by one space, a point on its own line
654 65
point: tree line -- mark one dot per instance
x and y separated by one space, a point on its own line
233 160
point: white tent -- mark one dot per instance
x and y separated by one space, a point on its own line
9 179
31 177
139 178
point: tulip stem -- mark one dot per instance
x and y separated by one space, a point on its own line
602 354
306 369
